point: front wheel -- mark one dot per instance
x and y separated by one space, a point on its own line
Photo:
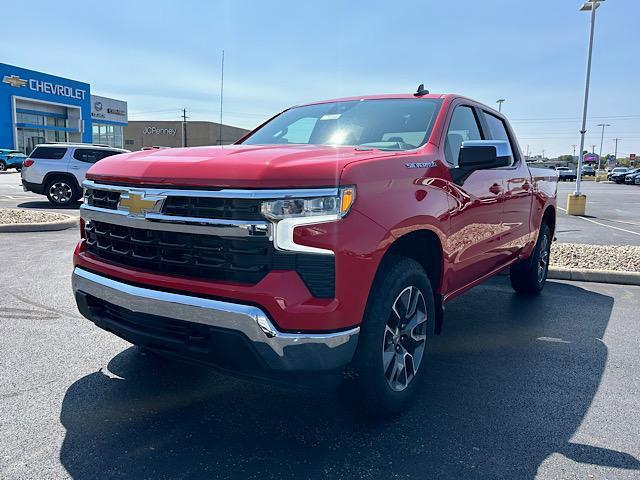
390 364
3 166
529 276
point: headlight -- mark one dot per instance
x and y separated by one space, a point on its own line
338 206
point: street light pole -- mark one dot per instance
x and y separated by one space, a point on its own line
499 102
590 5
601 140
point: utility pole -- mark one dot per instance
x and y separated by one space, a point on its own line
221 93
543 154
615 155
593 149
184 127
527 150
573 157
601 140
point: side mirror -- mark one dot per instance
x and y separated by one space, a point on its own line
484 154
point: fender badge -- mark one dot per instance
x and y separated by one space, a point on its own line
420 165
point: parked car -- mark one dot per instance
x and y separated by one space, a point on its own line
57 170
616 171
588 171
630 177
11 159
565 173
620 176
329 238
637 180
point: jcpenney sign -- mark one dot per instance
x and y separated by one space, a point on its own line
158 131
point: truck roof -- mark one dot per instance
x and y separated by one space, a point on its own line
441 96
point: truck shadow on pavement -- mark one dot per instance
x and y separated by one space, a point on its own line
510 381
45 205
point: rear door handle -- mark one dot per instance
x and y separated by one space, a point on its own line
496 188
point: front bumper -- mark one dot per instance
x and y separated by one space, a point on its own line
203 329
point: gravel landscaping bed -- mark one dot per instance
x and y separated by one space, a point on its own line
14 216
596 257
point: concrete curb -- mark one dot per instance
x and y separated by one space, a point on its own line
598 276
39 227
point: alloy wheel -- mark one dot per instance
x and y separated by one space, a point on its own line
61 192
543 258
3 167
405 337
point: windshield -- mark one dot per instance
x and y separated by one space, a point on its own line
386 124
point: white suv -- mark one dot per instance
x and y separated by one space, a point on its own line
57 170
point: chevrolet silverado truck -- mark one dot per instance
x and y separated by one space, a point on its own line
325 242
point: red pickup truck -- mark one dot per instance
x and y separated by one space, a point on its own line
326 241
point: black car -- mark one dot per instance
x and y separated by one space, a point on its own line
620 177
630 177
617 170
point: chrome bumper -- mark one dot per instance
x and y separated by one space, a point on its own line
281 351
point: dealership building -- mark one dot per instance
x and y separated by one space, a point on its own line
36 107
140 134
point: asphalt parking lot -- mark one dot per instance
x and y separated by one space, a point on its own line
542 387
612 216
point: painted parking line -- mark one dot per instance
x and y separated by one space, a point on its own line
17 197
602 224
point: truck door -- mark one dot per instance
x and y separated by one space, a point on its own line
517 196
475 206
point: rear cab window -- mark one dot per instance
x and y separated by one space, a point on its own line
49 153
498 131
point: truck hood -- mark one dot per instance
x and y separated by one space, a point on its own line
233 166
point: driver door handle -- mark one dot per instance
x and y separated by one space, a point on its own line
496 188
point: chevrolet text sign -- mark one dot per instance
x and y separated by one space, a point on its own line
55 89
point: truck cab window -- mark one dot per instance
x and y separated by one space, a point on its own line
498 130
463 127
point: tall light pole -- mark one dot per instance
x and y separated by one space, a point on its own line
615 154
601 140
591 6
499 102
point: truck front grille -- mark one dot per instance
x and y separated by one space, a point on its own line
102 198
205 207
236 259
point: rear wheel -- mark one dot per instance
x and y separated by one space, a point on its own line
61 191
530 275
3 166
389 365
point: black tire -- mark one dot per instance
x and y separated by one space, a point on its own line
3 166
369 390
61 191
530 275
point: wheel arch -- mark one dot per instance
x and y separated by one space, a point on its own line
423 246
549 218
66 175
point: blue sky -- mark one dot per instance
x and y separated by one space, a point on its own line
161 56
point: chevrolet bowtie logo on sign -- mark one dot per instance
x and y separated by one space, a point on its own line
14 81
138 204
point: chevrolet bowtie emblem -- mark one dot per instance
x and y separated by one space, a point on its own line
14 81
139 204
